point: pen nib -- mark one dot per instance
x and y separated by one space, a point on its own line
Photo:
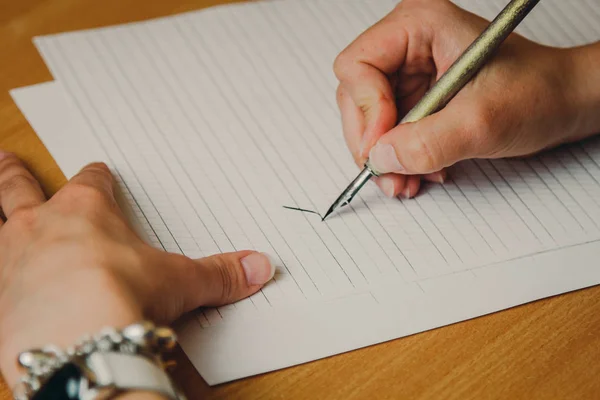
331 209
348 194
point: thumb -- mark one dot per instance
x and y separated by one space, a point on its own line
429 145
223 278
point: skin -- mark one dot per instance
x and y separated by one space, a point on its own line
72 265
528 98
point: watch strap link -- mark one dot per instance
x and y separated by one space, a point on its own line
129 372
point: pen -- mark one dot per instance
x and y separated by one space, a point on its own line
451 82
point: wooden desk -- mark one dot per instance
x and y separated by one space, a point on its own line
549 349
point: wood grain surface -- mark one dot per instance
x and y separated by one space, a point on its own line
549 349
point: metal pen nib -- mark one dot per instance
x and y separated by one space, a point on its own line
348 194
453 80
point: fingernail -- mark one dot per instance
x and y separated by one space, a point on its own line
387 185
406 193
439 178
383 159
258 268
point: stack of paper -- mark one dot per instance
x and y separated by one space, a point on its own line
212 121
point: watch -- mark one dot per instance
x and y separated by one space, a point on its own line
100 367
103 376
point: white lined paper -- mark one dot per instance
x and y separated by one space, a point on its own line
210 138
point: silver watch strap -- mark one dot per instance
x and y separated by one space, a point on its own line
130 372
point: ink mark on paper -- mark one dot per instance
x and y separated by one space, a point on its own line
303 210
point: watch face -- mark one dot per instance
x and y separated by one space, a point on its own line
64 384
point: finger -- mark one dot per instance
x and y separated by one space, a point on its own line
381 47
94 176
353 124
391 184
18 188
412 186
363 69
437 177
431 144
224 278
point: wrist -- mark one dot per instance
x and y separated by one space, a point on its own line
108 363
582 88
60 314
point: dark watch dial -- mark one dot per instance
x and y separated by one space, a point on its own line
62 385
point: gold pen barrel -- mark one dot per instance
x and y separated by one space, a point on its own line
467 65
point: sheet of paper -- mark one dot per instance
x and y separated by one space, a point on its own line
214 120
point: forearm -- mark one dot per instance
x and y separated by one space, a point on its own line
584 85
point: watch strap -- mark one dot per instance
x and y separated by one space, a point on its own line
130 372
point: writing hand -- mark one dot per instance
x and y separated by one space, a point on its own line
528 98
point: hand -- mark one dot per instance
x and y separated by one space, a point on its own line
528 98
72 265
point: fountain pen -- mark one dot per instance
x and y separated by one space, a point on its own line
451 82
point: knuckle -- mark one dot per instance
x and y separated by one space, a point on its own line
340 64
425 11
227 281
17 178
10 160
381 106
410 3
24 219
83 196
87 193
100 171
402 8
427 3
99 168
